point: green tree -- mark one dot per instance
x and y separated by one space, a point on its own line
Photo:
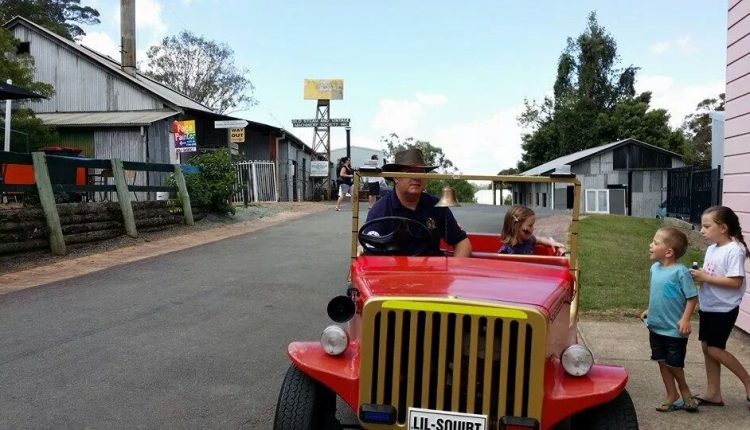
593 102
27 129
433 156
697 128
59 16
203 70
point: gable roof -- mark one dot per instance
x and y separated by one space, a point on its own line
174 98
576 157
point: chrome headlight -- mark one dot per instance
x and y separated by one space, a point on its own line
577 360
334 340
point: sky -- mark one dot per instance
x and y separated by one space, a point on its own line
453 73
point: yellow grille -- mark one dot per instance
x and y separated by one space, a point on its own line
431 354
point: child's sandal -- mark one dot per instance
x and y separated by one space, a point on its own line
690 405
670 407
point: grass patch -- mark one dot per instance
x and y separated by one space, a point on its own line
613 254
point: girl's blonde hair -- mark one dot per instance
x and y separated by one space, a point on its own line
726 216
514 218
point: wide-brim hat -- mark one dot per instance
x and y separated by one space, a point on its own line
408 159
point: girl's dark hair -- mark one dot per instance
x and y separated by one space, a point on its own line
726 216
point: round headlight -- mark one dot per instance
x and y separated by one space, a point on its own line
334 340
577 360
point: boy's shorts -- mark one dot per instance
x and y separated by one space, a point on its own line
373 188
715 327
670 350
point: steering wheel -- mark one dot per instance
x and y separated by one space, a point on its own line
395 236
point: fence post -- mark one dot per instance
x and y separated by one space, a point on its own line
187 210
123 196
47 198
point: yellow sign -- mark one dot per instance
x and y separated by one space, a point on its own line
324 89
237 135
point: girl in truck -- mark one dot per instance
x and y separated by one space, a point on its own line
518 233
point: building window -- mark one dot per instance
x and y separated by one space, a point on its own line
544 199
537 199
24 48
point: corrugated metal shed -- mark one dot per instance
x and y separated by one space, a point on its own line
165 93
113 119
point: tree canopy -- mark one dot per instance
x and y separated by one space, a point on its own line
59 16
594 102
203 70
697 128
433 156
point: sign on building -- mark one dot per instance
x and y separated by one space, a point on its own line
232 123
318 169
321 122
184 136
237 135
324 89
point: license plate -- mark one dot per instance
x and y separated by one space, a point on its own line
428 419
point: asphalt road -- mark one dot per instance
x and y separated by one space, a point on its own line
193 339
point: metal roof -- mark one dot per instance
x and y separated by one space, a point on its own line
113 119
162 91
586 153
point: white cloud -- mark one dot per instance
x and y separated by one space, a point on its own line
403 116
431 99
660 47
398 116
484 146
678 100
682 45
102 43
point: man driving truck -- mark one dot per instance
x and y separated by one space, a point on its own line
408 200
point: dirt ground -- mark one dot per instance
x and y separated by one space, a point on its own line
23 261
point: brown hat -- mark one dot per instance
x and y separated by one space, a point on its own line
408 158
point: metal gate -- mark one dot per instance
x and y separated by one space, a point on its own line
256 182
690 192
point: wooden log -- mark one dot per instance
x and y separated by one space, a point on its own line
66 209
187 211
20 215
47 198
92 226
91 217
123 196
93 236
10 227
27 245
151 222
23 235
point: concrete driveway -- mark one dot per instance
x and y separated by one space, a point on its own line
625 343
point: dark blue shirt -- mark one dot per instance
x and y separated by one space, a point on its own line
525 247
439 221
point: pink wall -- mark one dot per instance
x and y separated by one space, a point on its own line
737 128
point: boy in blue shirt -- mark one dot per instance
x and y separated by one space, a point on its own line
672 300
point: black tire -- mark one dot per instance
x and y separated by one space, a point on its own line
619 414
304 404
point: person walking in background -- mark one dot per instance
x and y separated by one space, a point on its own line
518 233
346 173
373 183
722 285
671 303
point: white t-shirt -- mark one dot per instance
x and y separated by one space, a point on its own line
727 261
371 165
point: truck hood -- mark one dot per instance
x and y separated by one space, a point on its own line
481 279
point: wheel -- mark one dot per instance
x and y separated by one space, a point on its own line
304 404
619 414
394 235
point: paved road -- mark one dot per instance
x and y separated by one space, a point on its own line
193 339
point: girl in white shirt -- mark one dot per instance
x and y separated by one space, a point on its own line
723 284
